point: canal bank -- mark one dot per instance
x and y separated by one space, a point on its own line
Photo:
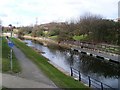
59 78
96 53
101 70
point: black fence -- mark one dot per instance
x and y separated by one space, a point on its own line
93 83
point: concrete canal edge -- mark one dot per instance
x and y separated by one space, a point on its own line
98 54
59 68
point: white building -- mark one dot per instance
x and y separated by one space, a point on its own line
119 11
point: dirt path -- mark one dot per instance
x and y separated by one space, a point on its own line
30 70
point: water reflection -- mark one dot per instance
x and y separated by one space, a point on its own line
101 70
90 65
101 67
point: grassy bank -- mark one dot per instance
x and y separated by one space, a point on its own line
59 78
6 59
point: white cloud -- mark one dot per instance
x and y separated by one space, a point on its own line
25 11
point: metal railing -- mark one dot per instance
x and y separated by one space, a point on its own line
90 81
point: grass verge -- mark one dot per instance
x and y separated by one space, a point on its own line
6 59
54 37
59 78
81 37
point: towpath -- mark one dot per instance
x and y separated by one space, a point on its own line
30 76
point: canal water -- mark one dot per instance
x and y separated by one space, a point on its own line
101 70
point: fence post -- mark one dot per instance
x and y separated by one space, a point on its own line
89 81
101 86
79 76
71 71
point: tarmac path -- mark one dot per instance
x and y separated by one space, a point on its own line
10 81
30 73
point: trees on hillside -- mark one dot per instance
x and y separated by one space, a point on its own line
24 30
99 29
93 27
87 23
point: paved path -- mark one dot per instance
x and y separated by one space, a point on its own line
30 71
10 81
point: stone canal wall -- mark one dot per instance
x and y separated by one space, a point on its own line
92 52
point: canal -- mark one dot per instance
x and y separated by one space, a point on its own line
101 70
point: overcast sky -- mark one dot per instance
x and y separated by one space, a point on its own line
25 12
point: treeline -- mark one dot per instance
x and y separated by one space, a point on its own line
88 28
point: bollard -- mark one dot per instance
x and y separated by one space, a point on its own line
89 81
101 86
79 76
71 71
11 66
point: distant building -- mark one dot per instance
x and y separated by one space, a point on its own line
119 19
119 11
